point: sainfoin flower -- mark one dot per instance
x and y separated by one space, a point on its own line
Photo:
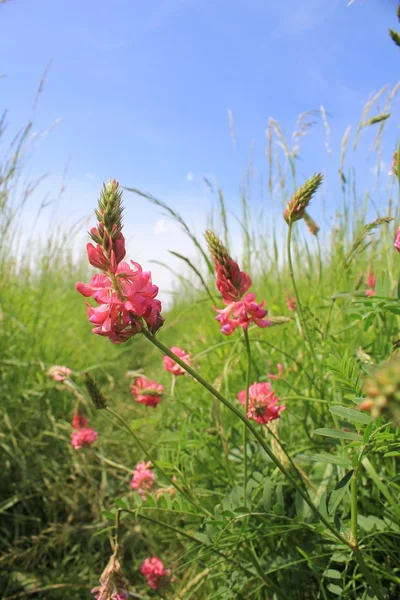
173 367
397 240
146 391
124 292
59 373
112 583
143 479
263 404
154 571
241 307
83 437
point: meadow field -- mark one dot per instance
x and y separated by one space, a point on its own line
297 500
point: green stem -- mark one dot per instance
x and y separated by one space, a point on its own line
252 430
245 432
303 320
157 466
354 509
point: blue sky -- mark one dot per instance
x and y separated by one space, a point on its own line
143 89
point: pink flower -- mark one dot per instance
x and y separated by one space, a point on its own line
233 283
146 391
397 240
263 404
125 293
59 373
155 573
370 292
143 479
125 302
83 437
241 314
291 303
79 421
280 371
173 367
370 280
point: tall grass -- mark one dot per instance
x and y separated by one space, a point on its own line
55 531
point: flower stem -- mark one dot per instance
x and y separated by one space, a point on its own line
245 431
157 466
354 510
252 429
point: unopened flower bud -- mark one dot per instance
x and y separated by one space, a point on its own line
94 392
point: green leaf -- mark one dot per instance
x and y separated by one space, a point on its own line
335 589
332 574
278 509
108 514
267 493
354 416
339 491
299 505
202 537
337 433
332 459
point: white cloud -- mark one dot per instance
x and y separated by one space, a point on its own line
165 226
190 176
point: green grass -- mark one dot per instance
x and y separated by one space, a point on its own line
55 537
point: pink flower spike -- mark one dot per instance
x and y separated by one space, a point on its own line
143 479
83 437
79 421
173 367
59 373
154 571
242 314
263 404
370 292
397 240
147 392
280 371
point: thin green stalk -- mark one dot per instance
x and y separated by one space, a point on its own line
251 428
245 433
157 466
354 509
303 320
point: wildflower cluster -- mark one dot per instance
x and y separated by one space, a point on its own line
146 391
82 436
263 404
124 292
241 307
154 571
173 367
143 479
